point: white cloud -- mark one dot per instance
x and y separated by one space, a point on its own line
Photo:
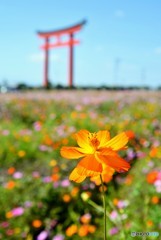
119 13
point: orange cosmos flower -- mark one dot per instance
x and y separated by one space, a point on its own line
153 152
55 177
9 214
71 230
74 191
36 223
83 230
10 185
149 223
97 150
86 218
92 228
152 177
66 198
155 200
115 201
11 170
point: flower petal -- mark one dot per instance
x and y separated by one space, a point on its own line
71 152
74 176
83 141
103 137
107 174
89 166
118 142
114 161
108 170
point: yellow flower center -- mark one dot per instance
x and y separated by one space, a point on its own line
93 141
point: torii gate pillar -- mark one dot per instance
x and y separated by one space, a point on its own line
59 43
71 52
46 64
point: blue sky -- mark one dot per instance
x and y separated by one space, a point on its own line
120 44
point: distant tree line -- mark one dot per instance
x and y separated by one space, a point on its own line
24 86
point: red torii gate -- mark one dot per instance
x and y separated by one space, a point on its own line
70 31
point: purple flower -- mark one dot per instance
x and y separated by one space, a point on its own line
145 170
120 204
85 187
130 154
92 185
18 175
4 224
78 107
47 179
37 126
5 132
119 180
113 215
28 204
53 223
43 235
151 164
157 183
36 174
113 231
58 237
56 184
10 232
140 154
159 175
43 148
65 183
24 235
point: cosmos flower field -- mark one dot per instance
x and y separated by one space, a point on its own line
37 200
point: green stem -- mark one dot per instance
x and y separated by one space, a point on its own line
104 206
93 204
101 209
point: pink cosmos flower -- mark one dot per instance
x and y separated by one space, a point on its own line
58 237
17 211
113 215
43 235
113 231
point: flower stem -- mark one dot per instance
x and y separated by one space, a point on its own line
104 206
